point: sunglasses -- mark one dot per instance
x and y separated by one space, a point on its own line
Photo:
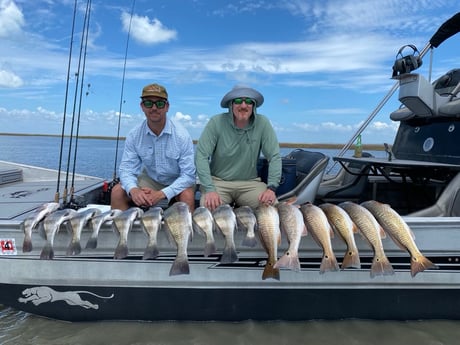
159 104
248 101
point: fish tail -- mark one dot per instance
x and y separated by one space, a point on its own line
419 263
74 248
381 266
209 248
229 255
27 244
249 241
151 252
351 260
270 271
328 264
92 243
180 266
121 251
288 261
47 252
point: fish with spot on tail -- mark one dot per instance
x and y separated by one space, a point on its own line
151 224
123 223
401 234
344 226
246 219
225 220
51 224
31 222
203 223
373 233
77 223
318 225
291 222
178 224
270 235
96 223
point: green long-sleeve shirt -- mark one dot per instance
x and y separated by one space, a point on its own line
230 153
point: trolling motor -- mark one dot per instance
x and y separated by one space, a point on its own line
406 63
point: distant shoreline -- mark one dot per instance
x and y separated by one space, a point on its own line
372 147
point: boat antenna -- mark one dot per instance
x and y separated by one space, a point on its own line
77 76
56 196
72 202
115 180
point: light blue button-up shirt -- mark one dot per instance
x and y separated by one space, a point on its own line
167 158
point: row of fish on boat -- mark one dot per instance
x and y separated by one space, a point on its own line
371 218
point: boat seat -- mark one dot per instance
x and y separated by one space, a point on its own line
448 203
402 114
346 185
310 168
10 175
450 109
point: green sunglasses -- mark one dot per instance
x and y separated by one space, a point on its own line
149 104
248 101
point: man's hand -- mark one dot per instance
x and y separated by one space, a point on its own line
146 197
212 200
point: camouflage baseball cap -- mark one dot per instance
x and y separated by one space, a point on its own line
154 90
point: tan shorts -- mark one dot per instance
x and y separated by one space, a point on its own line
145 181
242 193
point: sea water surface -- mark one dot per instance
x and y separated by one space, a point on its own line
96 157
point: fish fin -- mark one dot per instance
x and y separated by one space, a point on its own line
355 228
382 232
121 252
288 261
209 248
328 264
41 229
291 200
381 267
229 255
197 228
304 231
151 252
92 243
47 252
180 266
74 248
249 241
351 259
419 263
27 244
279 238
270 272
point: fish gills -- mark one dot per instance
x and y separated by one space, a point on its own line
178 223
30 223
203 223
151 224
291 222
401 234
341 222
371 230
246 220
317 224
225 219
270 235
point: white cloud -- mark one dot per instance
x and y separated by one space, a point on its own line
147 31
11 18
9 79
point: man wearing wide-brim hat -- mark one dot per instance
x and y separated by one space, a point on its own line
229 149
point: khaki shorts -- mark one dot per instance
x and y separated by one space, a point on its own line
242 193
145 181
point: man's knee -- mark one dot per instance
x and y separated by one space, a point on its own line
188 196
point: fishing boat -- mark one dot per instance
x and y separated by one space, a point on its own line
418 178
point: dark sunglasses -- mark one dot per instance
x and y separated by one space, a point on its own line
159 104
248 101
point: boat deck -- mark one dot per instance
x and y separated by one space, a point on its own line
23 188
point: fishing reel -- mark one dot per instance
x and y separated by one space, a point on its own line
408 63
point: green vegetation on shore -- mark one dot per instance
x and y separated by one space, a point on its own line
372 147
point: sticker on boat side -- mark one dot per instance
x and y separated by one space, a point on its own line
43 294
8 246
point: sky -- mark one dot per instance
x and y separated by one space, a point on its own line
323 66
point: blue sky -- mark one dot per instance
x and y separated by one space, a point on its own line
322 65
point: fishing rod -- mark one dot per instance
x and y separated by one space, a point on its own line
86 33
56 196
115 180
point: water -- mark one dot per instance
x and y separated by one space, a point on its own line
96 158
